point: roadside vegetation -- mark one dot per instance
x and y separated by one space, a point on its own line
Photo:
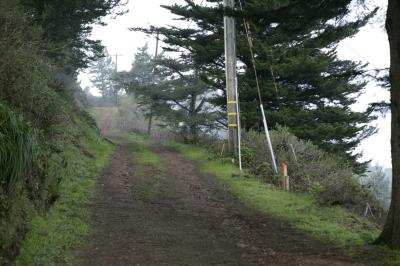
52 237
329 178
352 232
50 147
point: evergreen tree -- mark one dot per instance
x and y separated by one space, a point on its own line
170 90
141 81
66 26
296 39
185 98
390 234
103 72
379 184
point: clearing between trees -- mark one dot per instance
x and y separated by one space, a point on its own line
152 206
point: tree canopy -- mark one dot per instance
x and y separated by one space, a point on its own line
169 89
66 27
304 85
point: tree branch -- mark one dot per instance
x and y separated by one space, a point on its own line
180 105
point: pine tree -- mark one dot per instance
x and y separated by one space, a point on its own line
314 89
186 98
103 72
66 26
141 81
391 231
170 90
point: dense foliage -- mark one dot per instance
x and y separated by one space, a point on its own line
169 89
295 40
18 154
329 179
39 105
66 26
103 74
18 151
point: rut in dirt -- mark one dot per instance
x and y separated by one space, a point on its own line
173 215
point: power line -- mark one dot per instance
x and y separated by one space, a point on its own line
359 55
250 41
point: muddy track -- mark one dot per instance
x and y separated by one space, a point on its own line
173 215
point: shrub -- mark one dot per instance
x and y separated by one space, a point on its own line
329 178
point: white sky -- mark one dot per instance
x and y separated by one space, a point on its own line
370 45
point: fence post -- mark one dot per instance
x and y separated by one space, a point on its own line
285 177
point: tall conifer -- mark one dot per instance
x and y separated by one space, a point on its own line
296 40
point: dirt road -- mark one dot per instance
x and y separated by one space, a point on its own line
172 215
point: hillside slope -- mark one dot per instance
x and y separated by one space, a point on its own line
68 153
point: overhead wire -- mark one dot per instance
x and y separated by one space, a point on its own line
251 47
253 60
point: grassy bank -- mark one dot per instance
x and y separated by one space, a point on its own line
51 236
334 224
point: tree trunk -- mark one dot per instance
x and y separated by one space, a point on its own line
149 125
150 122
192 116
391 232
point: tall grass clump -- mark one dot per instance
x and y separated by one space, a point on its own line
18 150
18 154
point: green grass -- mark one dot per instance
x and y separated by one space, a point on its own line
334 224
51 237
148 166
142 152
150 188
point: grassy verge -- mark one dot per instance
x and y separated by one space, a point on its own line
334 224
51 237
148 166
146 156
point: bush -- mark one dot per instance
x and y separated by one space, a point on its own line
329 178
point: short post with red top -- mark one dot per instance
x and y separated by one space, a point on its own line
285 177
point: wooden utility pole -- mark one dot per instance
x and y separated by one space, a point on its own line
116 62
231 78
157 44
116 72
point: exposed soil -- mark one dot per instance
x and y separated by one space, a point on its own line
173 215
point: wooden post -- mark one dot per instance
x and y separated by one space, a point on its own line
285 177
231 79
